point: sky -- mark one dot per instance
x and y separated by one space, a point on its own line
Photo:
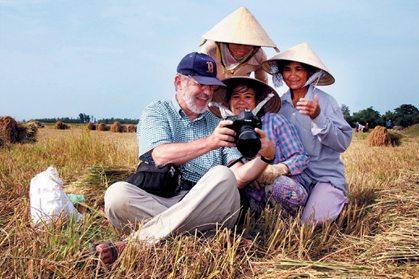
108 58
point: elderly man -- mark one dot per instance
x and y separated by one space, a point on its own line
183 132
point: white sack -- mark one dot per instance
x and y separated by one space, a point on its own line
48 199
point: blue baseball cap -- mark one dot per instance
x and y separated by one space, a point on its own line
200 67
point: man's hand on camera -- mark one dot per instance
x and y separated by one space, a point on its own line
222 136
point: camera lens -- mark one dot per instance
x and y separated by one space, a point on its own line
248 143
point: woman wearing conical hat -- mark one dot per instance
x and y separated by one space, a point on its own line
235 44
320 123
281 182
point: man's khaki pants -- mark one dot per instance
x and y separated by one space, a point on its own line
213 200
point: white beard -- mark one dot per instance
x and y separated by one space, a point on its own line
190 102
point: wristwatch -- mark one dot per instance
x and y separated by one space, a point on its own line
266 160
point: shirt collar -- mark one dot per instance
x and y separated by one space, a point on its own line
310 92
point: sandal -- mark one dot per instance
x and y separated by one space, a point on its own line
106 251
246 241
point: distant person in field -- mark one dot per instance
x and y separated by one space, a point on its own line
281 182
322 128
183 132
235 44
389 124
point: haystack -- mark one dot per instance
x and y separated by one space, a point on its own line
13 132
90 126
131 128
1 139
37 123
379 137
118 128
59 125
102 127
395 137
9 129
28 132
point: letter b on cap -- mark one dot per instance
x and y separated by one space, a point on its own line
210 67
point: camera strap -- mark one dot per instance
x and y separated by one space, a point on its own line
238 160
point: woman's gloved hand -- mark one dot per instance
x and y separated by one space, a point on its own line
271 172
268 175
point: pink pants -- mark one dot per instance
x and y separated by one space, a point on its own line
324 203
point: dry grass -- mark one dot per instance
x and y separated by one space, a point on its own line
412 131
376 235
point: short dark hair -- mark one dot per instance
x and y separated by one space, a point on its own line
256 86
246 85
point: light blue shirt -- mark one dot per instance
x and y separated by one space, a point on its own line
324 138
165 122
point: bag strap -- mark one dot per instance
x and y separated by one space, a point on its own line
235 162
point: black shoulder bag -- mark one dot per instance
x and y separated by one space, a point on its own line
161 180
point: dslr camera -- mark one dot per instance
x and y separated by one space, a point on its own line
247 140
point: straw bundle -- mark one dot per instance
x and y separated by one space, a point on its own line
96 179
379 137
13 132
9 129
59 125
395 137
90 126
1 139
37 123
131 128
28 132
102 127
117 127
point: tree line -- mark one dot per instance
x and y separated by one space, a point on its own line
405 116
85 118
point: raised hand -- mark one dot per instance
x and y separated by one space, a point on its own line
309 107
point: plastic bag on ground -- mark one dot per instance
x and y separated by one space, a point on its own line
48 199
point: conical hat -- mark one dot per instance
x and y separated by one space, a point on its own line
240 27
220 95
300 53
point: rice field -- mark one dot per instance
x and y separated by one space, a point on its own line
376 236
